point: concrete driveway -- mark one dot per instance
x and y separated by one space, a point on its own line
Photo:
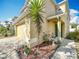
7 48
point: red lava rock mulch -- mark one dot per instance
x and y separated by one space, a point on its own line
46 50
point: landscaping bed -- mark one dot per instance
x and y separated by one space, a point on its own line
46 50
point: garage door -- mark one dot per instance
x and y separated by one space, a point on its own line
21 31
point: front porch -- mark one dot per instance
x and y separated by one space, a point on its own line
56 27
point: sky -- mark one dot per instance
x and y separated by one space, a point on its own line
74 10
11 8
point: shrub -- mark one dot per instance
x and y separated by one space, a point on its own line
27 50
45 38
73 36
5 32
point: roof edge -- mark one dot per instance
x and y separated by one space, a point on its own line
60 3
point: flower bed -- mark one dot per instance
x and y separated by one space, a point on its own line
45 51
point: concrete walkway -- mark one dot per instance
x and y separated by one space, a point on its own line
67 50
77 47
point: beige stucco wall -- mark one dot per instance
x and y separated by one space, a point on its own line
65 18
64 6
23 30
20 28
34 34
63 30
51 28
49 8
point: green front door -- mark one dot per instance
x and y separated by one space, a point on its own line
61 30
56 30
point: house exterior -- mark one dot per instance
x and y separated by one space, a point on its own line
26 29
73 29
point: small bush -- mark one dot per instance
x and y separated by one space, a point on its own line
27 50
45 38
73 36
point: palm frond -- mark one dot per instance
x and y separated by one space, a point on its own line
35 11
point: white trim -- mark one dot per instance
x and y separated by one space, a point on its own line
25 5
19 18
51 17
64 1
54 2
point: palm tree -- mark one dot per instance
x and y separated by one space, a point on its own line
35 11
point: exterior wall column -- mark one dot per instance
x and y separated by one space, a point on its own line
27 35
59 28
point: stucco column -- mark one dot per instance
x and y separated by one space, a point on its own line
27 29
59 27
